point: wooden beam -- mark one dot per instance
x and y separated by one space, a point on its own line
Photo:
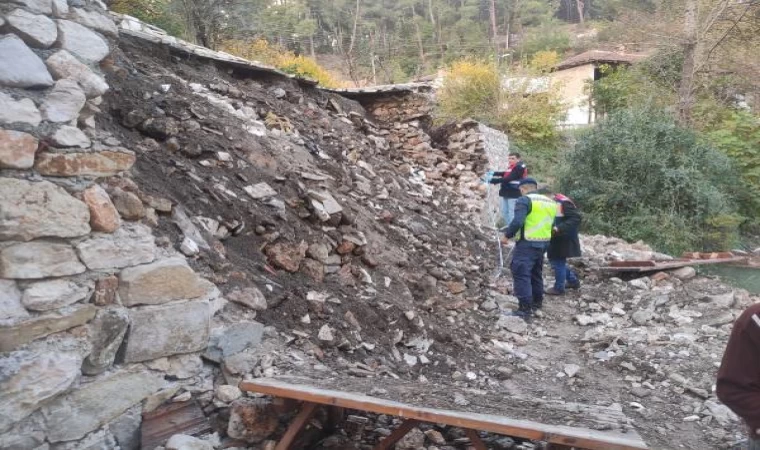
303 417
581 438
475 440
397 434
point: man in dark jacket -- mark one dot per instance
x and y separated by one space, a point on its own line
564 244
510 185
738 385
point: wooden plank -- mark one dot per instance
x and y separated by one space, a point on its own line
475 440
644 263
666 265
576 437
306 413
175 418
397 434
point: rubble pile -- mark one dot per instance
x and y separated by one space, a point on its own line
175 221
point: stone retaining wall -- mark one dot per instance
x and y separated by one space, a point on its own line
81 274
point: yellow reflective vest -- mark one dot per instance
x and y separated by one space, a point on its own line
540 220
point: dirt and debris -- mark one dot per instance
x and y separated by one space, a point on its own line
371 262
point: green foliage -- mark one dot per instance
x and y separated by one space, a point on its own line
155 12
640 176
285 60
474 89
548 37
738 136
470 90
621 88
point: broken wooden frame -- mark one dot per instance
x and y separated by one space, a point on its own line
654 266
558 436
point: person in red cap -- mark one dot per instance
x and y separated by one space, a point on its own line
738 385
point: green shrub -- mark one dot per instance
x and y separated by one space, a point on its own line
638 175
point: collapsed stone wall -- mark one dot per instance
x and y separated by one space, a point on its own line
81 274
452 156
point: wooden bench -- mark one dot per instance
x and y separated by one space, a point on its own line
559 436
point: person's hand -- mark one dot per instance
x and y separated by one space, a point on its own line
555 231
504 240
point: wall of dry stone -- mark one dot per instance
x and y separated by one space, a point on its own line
453 156
81 274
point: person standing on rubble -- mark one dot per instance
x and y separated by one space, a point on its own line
738 385
564 244
532 230
509 190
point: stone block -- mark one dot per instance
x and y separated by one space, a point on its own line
84 164
29 378
96 403
19 66
13 336
130 245
107 330
64 102
234 338
60 8
68 136
164 330
251 297
252 420
129 205
161 282
63 64
18 111
35 29
10 301
94 20
32 260
53 294
126 429
103 214
30 210
105 291
82 42
37 6
17 149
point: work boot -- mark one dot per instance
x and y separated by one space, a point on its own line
573 285
553 291
523 313
535 308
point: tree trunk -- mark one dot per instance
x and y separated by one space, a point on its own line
580 5
686 85
419 39
311 47
492 12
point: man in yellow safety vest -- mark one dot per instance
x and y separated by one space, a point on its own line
531 228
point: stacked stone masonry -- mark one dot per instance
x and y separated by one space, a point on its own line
449 157
81 275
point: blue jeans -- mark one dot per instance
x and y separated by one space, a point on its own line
562 274
508 209
527 274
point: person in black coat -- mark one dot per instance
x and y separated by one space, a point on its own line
564 244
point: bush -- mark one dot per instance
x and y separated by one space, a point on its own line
738 136
638 175
474 89
285 60
470 90
158 13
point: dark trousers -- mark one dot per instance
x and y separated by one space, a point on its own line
527 274
562 274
